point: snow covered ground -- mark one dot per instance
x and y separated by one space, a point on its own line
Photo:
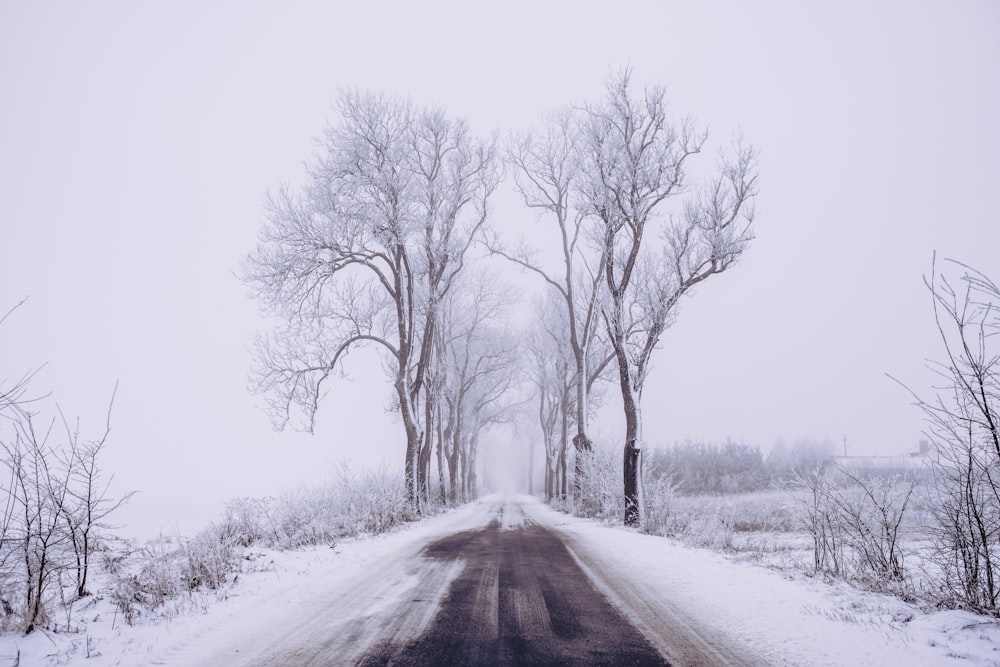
783 620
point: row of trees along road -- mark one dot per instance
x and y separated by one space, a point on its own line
377 249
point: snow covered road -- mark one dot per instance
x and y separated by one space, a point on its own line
512 581
495 585
490 584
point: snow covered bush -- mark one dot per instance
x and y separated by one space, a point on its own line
174 572
350 504
600 485
209 560
248 521
373 502
660 495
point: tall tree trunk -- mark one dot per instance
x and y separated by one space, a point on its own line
453 435
473 483
548 475
453 476
442 493
463 463
413 438
632 452
424 460
424 470
581 442
563 439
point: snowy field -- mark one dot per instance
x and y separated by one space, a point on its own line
781 618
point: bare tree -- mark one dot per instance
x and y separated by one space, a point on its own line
963 423
476 355
820 516
88 500
546 169
635 160
549 367
39 490
366 252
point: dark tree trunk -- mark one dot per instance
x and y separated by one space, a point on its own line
632 452
563 438
633 462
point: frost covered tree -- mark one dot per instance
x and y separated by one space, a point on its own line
549 368
546 169
478 362
364 254
634 162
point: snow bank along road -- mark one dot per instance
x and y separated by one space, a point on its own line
511 581
495 583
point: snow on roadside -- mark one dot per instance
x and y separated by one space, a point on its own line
790 621
255 610
784 620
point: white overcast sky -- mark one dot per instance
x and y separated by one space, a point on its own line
137 141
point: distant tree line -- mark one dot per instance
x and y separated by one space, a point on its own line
697 468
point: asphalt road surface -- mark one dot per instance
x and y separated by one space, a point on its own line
520 599
503 586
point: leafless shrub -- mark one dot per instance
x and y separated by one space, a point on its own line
963 423
38 492
873 519
854 521
87 504
820 518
